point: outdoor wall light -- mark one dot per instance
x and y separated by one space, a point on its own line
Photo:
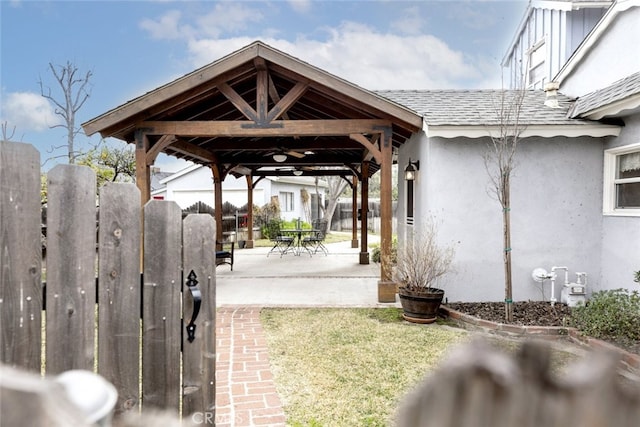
279 157
411 169
297 172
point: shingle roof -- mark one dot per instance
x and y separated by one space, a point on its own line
618 91
481 107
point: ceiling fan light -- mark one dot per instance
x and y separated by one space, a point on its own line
297 172
279 157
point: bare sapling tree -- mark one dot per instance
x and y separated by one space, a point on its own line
336 186
499 161
6 135
75 92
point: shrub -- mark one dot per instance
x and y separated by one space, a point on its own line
612 315
375 251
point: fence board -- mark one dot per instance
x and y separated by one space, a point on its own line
20 256
199 255
479 386
161 322
71 263
119 292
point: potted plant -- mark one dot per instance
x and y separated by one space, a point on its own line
420 263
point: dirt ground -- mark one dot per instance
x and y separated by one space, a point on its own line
529 313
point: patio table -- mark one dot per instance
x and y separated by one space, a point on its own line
297 234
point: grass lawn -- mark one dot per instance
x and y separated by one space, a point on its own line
349 367
331 237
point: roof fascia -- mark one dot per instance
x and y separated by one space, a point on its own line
518 33
545 131
171 89
613 109
593 37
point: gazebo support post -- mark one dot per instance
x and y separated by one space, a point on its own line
386 286
354 212
249 243
364 254
217 196
143 171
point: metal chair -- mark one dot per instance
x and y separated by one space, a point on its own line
314 242
281 242
224 256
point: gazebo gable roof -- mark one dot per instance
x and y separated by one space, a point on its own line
229 91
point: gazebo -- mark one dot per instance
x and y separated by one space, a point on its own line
260 112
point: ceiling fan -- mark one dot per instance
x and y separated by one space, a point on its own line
280 154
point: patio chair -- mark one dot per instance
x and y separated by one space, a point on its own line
281 242
224 256
314 242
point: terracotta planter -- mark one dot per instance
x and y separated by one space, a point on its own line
420 307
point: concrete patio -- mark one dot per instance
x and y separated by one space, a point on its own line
333 280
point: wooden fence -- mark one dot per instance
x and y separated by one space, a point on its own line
479 386
110 306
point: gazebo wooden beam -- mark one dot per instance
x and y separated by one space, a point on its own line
242 128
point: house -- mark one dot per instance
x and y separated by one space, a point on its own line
575 191
575 199
547 36
297 195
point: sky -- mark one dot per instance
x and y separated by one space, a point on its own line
132 47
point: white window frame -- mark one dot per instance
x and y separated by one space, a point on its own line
610 181
536 57
287 201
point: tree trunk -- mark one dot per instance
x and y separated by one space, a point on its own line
506 221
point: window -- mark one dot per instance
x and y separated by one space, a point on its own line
622 180
286 201
536 72
410 202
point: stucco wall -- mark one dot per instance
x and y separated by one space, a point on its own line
610 59
621 235
556 213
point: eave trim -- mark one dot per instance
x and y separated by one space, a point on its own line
543 131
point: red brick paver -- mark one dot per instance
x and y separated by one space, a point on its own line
245 392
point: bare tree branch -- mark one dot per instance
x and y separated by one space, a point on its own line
75 93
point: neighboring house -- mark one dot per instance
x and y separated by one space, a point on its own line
194 184
575 192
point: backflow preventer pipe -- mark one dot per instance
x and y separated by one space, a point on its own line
553 282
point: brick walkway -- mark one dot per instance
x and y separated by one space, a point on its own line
245 392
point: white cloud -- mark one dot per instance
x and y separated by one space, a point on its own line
224 18
411 22
167 26
28 111
227 18
300 6
367 58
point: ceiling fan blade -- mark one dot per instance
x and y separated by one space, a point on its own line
293 153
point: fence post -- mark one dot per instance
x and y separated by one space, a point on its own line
161 314
199 233
71 263
20 256
119 291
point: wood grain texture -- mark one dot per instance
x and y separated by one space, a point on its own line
20 256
